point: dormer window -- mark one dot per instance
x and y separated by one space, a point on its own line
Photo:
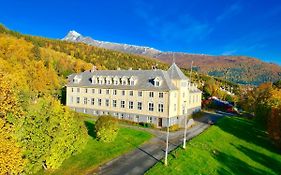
132 81
157 81
77 78
101 80
124 80
116 80
108 80
94 80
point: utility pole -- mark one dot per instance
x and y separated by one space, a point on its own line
185 120
167 143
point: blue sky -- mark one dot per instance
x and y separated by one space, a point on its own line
226 27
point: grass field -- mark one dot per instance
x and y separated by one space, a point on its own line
96 153
232 146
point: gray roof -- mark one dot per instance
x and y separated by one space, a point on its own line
144 79
175 73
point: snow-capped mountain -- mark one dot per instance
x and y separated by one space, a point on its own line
74 36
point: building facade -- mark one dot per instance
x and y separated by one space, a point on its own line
152 96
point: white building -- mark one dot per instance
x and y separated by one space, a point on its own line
152 96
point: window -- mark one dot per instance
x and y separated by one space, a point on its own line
72 89
124 82
85 100
131 105
71 99
123 92
151 94
140 93
107 91
114 92
99 102
160 108
94 80
157 83
108 82
149 119
93 91
139 105
116 81
78 89
160 94
122 104
132 82
131 93
150 106
77 100
106 102
100 91
93 101
175 107
86 90
114 103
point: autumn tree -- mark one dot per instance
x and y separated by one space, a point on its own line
50 133
11 160
106 128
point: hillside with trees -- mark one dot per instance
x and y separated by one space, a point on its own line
238 69
37 131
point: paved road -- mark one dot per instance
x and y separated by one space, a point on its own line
145 156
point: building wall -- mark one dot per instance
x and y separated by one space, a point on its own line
145 99
176 104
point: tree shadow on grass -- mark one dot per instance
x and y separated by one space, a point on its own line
91 129
273 164
233 165
247 130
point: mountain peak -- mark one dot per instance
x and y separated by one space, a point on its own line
72 36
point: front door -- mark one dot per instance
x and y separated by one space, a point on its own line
159 122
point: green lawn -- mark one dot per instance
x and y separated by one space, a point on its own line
96 153
232 146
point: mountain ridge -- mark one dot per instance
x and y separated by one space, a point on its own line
239 69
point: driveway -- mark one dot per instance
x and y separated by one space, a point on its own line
145 156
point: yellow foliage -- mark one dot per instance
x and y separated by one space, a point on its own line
11 161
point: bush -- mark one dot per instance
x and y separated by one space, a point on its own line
172 128
106 128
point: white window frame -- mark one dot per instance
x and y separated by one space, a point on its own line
122 104
114 103
151 94
161 95
139 105
160 107
85 100
151 106
131 105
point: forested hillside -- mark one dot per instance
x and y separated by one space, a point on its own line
238 69
36 130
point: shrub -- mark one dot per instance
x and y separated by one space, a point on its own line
172 128
106 128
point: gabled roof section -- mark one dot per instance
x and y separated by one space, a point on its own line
144 79
175 73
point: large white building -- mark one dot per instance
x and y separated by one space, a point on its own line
153 96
